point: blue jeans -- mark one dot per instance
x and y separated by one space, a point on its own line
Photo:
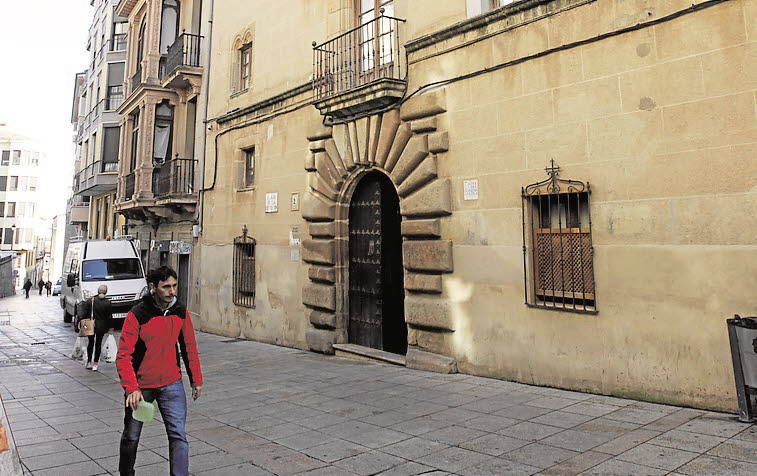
172 403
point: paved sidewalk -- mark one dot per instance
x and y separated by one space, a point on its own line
272 410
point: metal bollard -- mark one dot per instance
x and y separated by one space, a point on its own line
742 334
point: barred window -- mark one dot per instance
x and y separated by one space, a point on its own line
558 256
244 270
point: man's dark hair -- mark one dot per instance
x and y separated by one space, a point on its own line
155 276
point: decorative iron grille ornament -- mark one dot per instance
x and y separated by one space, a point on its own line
553 184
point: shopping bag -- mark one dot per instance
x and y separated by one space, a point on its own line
86 327
110 349
80 346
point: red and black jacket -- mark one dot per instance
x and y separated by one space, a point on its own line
151 344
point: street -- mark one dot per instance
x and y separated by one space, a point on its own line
274 410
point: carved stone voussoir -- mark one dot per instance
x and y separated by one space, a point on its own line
427 124
318 131
423 174
438 142
424 105
428 255
421 228
322 273
433 200
428 311
322 319
322 296
315 208
318 146
322 229
423 283
318 251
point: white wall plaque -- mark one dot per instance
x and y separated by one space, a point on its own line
295 202
272 202
470 189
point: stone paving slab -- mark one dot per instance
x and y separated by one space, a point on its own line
269 410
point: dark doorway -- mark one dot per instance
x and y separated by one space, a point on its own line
377 311
184 279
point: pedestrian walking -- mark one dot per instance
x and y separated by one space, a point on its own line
27 287
49 287
99 309
148 366
41 286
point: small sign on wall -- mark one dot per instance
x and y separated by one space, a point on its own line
295 202
470 189
294 243
272 202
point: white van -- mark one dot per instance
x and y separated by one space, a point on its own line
115 263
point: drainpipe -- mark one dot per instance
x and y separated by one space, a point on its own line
203 135
202 144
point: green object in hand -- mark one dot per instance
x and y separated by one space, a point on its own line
145 411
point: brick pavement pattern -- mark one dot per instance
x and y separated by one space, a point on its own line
274 410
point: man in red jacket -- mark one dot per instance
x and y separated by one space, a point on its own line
155 333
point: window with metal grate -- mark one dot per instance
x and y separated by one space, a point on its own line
244 270
558 256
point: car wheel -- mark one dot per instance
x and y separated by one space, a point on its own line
66 316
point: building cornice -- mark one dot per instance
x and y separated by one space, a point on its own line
492 23
265 103
125 7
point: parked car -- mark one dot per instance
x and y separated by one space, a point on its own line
56 287
115 263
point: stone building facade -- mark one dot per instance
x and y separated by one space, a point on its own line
557 192
160 119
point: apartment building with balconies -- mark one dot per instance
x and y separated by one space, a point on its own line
21 165
98 94
162 128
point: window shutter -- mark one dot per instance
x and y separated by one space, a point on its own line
235 73
239 178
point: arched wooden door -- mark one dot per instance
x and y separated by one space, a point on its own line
376 294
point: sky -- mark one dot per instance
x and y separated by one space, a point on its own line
42 46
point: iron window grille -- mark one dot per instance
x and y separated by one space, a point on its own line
558 256
244 270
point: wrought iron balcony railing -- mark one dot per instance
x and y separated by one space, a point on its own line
118 42
176 176
185 51
357 57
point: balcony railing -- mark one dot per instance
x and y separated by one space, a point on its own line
129 182
118 42
185 51
174 177
112 102
357 57
136 80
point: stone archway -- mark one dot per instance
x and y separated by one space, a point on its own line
405 145
376 314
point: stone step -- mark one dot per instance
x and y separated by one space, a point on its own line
360 352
